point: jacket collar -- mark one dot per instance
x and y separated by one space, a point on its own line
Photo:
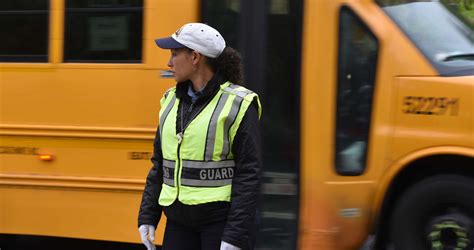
211 88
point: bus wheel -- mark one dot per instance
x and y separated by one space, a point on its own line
435 214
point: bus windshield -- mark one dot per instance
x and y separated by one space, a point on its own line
442 32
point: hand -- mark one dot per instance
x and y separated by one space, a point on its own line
147 233
227 246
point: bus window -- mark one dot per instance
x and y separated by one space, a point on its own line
446 39
358 49
226 14
103 31
24 31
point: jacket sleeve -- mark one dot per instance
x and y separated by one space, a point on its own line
150 210
241 222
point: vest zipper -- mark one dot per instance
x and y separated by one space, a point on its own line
178 175
190 107
180 140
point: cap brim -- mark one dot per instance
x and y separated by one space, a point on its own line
168 43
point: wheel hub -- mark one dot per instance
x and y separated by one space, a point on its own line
449 232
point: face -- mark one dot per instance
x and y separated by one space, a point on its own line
181 64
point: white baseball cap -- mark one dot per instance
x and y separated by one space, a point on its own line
196 36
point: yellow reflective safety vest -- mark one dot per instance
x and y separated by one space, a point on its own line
198 165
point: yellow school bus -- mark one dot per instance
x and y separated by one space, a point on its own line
80 92
387 139
368 124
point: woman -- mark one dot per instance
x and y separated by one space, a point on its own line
206 161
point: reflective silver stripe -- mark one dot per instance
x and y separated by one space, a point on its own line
168 164
208 164
205 183
234 110
169 182
211 132
168 175
236 92
166 112
235 87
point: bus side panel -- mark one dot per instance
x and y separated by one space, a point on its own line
335 206
97 121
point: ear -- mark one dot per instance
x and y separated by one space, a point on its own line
196 57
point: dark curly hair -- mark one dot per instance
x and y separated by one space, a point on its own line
229 65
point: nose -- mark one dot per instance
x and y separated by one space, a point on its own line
170 62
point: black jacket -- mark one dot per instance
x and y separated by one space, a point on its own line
240 213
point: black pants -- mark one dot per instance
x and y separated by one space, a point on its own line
182 237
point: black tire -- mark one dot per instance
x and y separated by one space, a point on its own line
438 197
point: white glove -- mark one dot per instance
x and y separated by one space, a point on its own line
147 233
227 246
